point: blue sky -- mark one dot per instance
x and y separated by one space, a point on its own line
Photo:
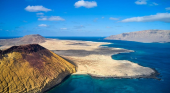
82 17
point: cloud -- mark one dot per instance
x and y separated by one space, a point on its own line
63 28
102 17
36 9
79 27
141 2
40 13
55 18
51 18
168 8
42 25
111 18
164 17
87 4
154 3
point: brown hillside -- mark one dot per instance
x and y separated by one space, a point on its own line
28 39
31 68
32 39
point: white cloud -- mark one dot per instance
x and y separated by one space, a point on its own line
55 18
63 28
141 2
79 27
168 8
154 3
164 17
36 9
111 18
87 4
42 25
40 13
43 18
52 18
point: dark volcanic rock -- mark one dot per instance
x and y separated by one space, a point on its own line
24 48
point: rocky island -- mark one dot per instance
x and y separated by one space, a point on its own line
148 36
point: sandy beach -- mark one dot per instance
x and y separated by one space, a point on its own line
93 59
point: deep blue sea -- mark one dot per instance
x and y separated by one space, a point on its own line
153 55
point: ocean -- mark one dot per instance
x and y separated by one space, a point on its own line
153 55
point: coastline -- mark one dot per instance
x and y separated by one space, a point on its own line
94 60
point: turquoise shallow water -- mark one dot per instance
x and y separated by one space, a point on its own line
153 55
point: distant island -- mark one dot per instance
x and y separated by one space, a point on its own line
147 36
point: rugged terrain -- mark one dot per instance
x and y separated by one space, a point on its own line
32 69
160 36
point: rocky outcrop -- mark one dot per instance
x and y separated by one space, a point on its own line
160 36
28 39
32 69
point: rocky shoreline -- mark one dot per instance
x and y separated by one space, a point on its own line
152 76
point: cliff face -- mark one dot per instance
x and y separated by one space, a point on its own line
144 36
31 68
